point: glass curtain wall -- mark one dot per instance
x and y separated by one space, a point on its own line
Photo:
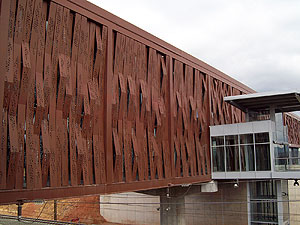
232 153
243 152
247 152
263 202
262 150
218 154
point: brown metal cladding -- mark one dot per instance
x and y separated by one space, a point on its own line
91 104
293 128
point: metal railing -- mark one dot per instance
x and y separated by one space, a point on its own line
287 164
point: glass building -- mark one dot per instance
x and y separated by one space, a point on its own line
258 151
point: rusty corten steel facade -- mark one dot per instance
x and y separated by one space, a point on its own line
293 128
91 104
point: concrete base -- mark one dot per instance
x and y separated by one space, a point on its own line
179 206
194 207
210 187
130 208
172 210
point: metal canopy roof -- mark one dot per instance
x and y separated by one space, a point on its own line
257 102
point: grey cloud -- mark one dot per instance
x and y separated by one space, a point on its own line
254 41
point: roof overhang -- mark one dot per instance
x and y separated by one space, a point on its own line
259 102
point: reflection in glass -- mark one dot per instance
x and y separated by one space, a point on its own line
263 190
264 212
218 159
246 138
263 209
232 158
262 137
247 157
262 157
295 155
281 157
217 141
231 140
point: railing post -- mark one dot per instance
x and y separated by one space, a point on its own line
54 209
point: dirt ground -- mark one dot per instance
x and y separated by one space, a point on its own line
80 210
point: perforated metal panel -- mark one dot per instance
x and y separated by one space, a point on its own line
90 104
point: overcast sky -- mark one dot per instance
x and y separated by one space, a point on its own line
254 41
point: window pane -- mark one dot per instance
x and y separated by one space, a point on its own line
264 212
262 138
231 140
262 157
218 159
219 140
281 157
295 155
263 190
246 138
247 157
232 158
